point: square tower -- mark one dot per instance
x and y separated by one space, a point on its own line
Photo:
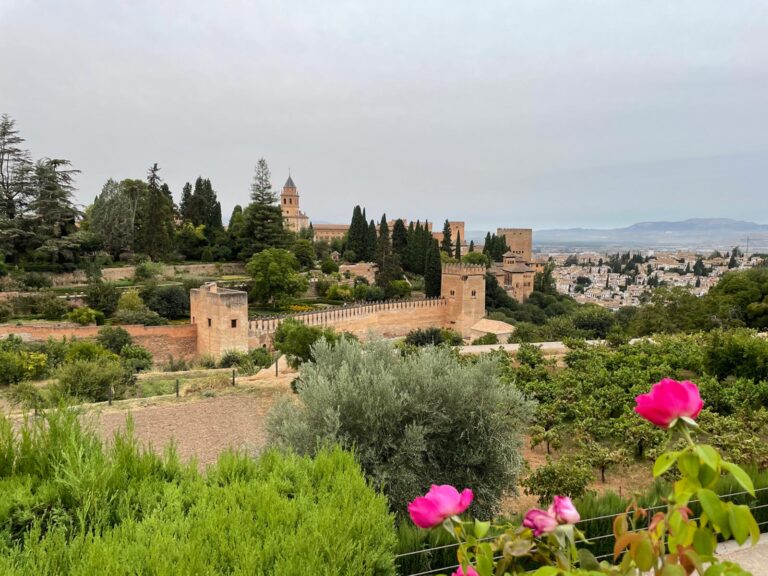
221 317
519 241
463 288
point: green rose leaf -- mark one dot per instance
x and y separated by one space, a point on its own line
664 462
644 555
740 476
708 455
688 462
673 570
713 508
739 524
704 542
481 528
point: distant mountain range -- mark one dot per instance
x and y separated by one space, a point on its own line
693 234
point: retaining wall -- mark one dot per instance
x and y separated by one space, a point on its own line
177 340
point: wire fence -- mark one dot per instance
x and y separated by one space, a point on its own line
650 510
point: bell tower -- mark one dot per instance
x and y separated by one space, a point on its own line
293 217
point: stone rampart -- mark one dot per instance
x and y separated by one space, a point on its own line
388 319
177 340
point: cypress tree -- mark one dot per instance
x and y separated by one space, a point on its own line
399 239
185 206
383 246
432 270
447 243
487 245
370 244
156 229
357 235
458 246
471 245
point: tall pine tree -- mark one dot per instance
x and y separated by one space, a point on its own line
263 217
261 188
155 234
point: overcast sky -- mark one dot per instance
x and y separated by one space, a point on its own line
500 113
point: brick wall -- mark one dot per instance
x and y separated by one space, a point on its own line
178 340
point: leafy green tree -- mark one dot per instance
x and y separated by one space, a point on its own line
476 258
389 274
304 251
433 271
565 477
296 340
276 276
113 214
398 412
446 244
113 338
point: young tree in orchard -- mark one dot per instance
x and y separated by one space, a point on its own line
446 245
156 226
433 271
276 276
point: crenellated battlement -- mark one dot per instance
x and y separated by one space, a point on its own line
340 314
464 269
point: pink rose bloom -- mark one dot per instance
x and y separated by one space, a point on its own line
563 510
470 572
540 521
439 503
669 400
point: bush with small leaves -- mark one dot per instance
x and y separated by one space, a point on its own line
566 477
102 296
147 270
328 266
113 338
91 380
486 339
83 316
135 358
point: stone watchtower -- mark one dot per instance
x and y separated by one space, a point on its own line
293 217
463 288
221 316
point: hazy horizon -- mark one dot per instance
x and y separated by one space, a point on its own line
534 114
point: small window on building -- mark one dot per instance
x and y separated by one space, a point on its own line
453 293
233 323
474 293
209 322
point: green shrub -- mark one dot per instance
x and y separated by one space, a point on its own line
90 380
18 365
35 281
295 339
168 301
135 358
175 365
72 505
6 312
739 353
240 360
409 419
433 337
261 357
86 350
566 477
27 396
83 316
328 266
147 270
143 317
102 296
486 339
113 338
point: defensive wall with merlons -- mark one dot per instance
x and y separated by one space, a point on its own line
219 319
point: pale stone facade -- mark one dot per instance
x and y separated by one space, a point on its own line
294 219
221 317
519 241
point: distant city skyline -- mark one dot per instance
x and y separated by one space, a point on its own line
534 113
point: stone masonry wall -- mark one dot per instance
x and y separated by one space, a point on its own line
178 340
388 319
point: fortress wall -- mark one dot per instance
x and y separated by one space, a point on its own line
178 340
387 319
168 272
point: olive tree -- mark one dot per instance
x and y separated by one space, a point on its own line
413 420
